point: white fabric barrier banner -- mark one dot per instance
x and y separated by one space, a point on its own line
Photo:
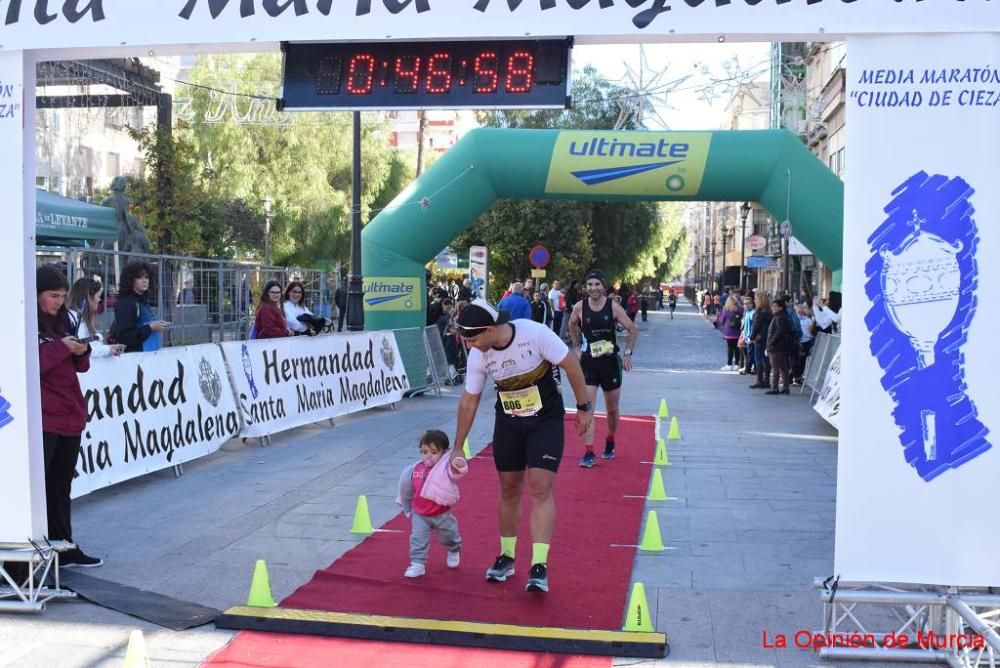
285 383
828 400
151 411
919 457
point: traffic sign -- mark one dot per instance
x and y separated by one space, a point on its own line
539 257
756 242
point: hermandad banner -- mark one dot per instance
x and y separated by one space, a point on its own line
919 455
286 383
151 411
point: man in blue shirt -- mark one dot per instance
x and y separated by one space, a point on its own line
515 303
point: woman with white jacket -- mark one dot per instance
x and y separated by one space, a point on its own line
83 302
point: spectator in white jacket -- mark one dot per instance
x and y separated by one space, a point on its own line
84 301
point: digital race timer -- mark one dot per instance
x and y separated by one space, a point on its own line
426 75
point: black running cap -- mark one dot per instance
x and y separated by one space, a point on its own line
594 273
479 315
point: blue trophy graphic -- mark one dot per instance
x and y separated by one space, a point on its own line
921 280
5 417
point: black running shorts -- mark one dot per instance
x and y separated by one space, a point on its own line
527 443
603 372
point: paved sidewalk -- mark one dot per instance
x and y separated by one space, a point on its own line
751 526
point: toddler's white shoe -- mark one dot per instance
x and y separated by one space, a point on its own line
415 570
454 559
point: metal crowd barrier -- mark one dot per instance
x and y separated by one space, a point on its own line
207 301
819 361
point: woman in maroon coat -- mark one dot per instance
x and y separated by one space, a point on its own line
270 321
64 414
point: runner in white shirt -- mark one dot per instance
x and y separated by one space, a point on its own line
520 357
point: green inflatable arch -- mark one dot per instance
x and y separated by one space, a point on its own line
771 167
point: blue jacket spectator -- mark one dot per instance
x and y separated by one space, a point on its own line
516 304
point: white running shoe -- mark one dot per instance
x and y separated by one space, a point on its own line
725 367
415 570
454 559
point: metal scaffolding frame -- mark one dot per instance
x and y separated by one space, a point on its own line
866 621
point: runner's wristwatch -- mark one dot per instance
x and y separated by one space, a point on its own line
585 408
628 351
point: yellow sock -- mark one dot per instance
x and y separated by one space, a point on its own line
508 545
539 553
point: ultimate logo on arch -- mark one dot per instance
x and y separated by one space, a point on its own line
652 164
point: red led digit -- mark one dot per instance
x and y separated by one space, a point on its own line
407 74
361 74
486 74
520 72
438 73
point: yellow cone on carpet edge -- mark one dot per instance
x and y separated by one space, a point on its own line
652 541
656 490
260 587
466 450
661 458
637 618
362 520
135 655
675 431
663 413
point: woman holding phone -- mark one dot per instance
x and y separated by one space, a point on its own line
61 356
135 325
84 300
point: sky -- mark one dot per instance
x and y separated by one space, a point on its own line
693 105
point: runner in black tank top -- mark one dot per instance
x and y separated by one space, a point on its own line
594 319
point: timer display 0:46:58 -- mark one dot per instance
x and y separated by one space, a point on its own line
437 72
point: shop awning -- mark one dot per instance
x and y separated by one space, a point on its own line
60 219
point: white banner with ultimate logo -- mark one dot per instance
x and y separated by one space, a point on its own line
919 455
286 383
151 411
828 400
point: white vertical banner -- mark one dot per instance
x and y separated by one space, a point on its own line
919 458
22 476
479 273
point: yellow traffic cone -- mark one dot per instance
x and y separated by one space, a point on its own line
637 618
664 413
362 520
675 431
260 587
651 539
656 490
661 458
135 655
466 450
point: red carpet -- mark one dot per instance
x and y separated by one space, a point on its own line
589 578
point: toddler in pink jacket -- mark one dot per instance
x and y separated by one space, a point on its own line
427 491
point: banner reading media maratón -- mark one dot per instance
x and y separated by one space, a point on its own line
151 411
285 383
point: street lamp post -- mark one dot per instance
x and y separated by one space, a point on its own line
712 281
786 235
744 212
268 203
355 289
722 276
